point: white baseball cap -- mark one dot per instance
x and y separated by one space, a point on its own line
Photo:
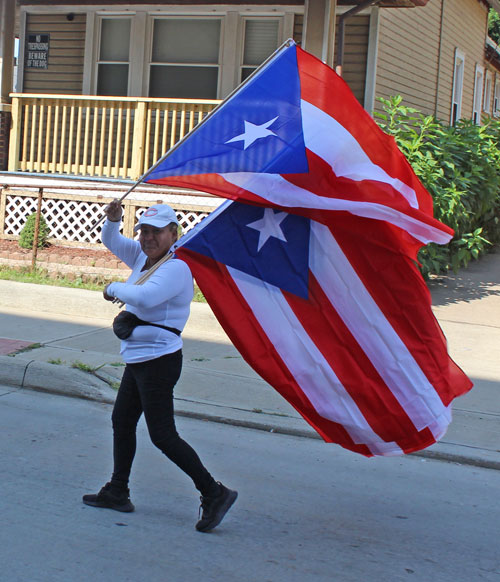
159 215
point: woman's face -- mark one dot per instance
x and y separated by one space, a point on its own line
156 242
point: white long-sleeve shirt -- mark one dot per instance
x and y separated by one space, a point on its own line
165 298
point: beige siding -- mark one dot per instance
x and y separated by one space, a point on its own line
408 55
298 28
66 51
470 18
355 50
417 53
355 54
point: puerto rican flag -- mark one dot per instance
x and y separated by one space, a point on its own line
312 272
295 137
346 335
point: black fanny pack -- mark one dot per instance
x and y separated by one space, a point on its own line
125 323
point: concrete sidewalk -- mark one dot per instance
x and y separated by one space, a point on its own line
60 340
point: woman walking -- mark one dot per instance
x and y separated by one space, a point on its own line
153 358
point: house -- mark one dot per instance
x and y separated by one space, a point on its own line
105 88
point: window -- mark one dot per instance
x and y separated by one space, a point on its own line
195 55
478 94
185 58
458 83
113 63
496 98
487 92
260 40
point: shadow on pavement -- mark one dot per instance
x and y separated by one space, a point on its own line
481 279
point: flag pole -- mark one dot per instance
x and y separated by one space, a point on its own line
147 274
289 42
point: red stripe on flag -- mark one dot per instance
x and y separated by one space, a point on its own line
214 184
322 181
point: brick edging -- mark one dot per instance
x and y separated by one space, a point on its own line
69 268
62 259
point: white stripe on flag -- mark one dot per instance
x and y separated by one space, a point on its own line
277 190
374 333
324 136
306 363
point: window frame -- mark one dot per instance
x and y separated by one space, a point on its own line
457 95
488 77
97 59
243 20
477 103
148 63
496 97
230 54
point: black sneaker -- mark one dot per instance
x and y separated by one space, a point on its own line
111 498
215 508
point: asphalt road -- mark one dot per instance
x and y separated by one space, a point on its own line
307 511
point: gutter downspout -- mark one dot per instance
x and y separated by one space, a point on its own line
341 32
440 56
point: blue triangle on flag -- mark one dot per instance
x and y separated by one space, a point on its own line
258 129
270 245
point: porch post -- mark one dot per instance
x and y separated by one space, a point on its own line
7 22
319 29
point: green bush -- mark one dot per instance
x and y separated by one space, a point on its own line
27 235
460 167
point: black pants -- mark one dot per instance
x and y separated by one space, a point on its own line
149 387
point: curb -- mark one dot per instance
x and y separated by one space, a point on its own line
62 380
65 381
458 459
269 425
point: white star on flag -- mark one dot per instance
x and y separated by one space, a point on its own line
268 226
254 132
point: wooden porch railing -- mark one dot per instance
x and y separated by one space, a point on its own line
82 135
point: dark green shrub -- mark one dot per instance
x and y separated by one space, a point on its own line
27 235
460 167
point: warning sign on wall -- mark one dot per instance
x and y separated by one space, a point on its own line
37 51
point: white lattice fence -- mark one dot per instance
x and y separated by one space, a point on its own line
71 220
68 220
71 216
